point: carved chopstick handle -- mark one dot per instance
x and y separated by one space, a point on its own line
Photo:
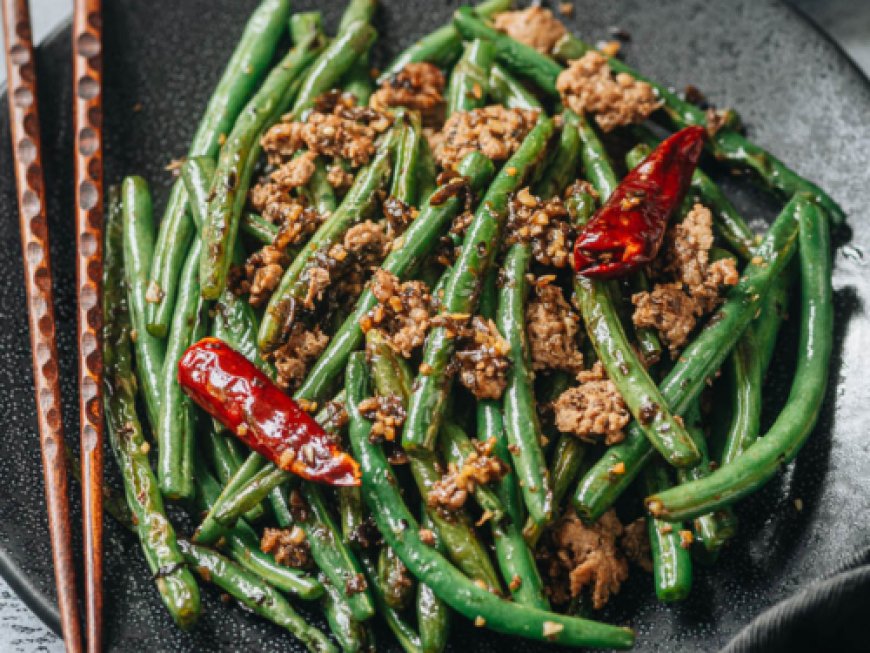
88 156
24 128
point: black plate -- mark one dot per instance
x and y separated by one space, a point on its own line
800 97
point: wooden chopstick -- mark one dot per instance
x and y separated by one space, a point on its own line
88 153
30 180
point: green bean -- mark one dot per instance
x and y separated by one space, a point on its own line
392 377
607 335
433 616
243 73
562 166
596 162
517 57
715 528
443 46
176 585
649 345
360 201
256 594
456 447
774 311
318 191
726 144
401 531
728 222
426 408
357 10
505 89
391 585
427 170
521 423
760 462
402 631
138 248
350 512
174 438
258 228
331 553
417 242
404 183
614 471
238 157
351 634
358 81
338 57
244 547
470 76
672 563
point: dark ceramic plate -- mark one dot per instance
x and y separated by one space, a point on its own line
799 96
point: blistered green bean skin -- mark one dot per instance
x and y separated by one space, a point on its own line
351 634
700 360
402 631
443 46
260 597
138 238
243 73
672 562
433 615
727 144
761 461
469 79
426 408
238 157
401 532
418 241
562 166
404 183
176 585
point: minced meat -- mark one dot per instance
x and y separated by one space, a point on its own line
481 467
590 557
296 172
418 86
543 224
635 544
673 308
288 546
494 131
553 329
588 85
535 26
387 415
293 358
594 409
403 313
339 178
482 359
260 274
336 128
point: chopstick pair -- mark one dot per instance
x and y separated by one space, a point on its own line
30 182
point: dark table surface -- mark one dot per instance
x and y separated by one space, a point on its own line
847 21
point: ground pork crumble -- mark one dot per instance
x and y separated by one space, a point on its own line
335 128
387 415
481 358
494 131
481 467
553 330
403 313
594 409
535 26
589 85
288 546
635 544
689 285
293 358
344 267
590 557
418 86
543 224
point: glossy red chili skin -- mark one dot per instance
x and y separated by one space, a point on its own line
627 232
235 392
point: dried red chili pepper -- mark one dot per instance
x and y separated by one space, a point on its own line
627 231
235 392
